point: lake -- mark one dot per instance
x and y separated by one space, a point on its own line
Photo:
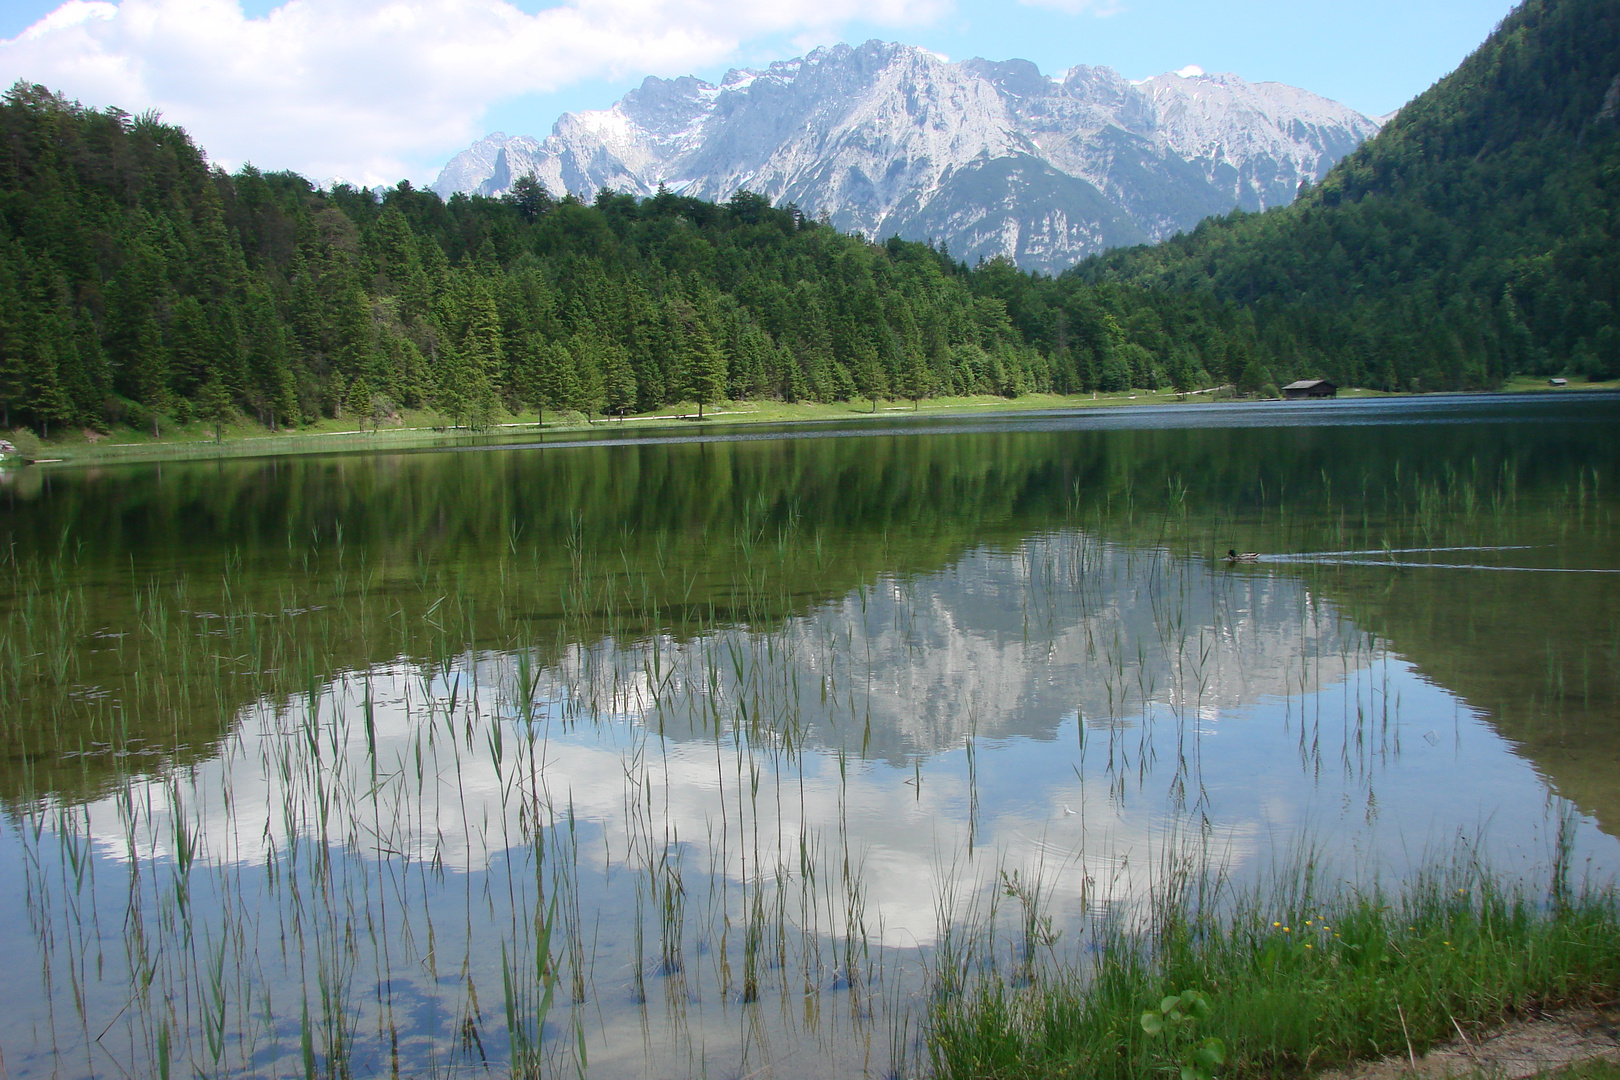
718 751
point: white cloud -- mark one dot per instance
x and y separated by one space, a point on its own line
69 14
379 89
1076 7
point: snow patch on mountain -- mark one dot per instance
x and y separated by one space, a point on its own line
992 157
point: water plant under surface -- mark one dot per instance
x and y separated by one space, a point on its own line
881 755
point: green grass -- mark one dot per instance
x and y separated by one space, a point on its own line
1296 983
423 428
1520 384
1297 978
420 429
1595 1069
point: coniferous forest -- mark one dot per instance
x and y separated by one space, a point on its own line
1477 236
1473 239
139 284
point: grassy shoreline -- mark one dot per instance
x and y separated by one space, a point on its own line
1292 982
1299 973
423 429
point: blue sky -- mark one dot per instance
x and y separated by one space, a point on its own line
378 89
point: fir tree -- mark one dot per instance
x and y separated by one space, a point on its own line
586 388
454 396
358 401
915 381
214 405
618 380
49 402
705 366
480 359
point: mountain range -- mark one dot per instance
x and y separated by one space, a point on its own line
990 157
1474 238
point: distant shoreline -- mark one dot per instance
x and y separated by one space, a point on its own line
416 430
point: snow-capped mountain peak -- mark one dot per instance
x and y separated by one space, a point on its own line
993 157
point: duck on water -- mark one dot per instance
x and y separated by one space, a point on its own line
1235 556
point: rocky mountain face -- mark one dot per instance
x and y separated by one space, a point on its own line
992 158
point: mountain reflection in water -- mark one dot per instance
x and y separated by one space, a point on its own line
738 735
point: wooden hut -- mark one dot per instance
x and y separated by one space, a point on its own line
1310 388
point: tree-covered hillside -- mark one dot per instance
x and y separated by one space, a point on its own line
1477 235
138 285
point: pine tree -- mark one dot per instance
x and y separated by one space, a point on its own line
454 396
359 400
136 340
915 382
867 372
705 366
794 388
561 375
271 389
528 376
148 371
194 358
530 197
214 405
618 380
481 358
13 361
353 332
586 387
285 401
47 399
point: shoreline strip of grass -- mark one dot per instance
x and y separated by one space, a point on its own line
417 430
1294 983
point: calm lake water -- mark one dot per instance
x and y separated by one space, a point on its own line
706 754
